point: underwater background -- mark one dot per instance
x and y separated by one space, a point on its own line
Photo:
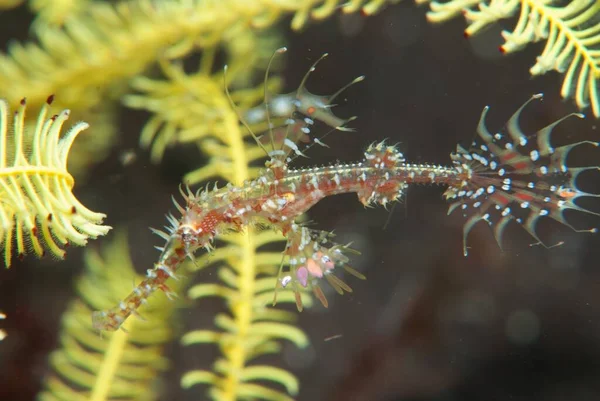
521 323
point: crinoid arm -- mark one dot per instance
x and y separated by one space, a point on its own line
38 211
312 257
515 177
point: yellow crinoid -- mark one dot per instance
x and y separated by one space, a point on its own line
38 211
570 30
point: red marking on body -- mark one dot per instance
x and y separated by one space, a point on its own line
388 188
500 199
521 165
508 156
524 196
210 221
387 162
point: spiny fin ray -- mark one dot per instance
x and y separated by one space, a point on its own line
515 177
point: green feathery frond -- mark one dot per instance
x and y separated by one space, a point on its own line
571 30
123 365
37 207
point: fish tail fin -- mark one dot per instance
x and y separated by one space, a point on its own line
515 177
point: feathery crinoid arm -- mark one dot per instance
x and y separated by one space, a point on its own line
125 365
56 12
571 30
8 4
246 266
107 43
38 211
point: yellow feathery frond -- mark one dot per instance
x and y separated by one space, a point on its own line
8 4
253 329
90 150
109 43
247 51
246 270
571 31
56 12
442 11
123 365
37 207
185 109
